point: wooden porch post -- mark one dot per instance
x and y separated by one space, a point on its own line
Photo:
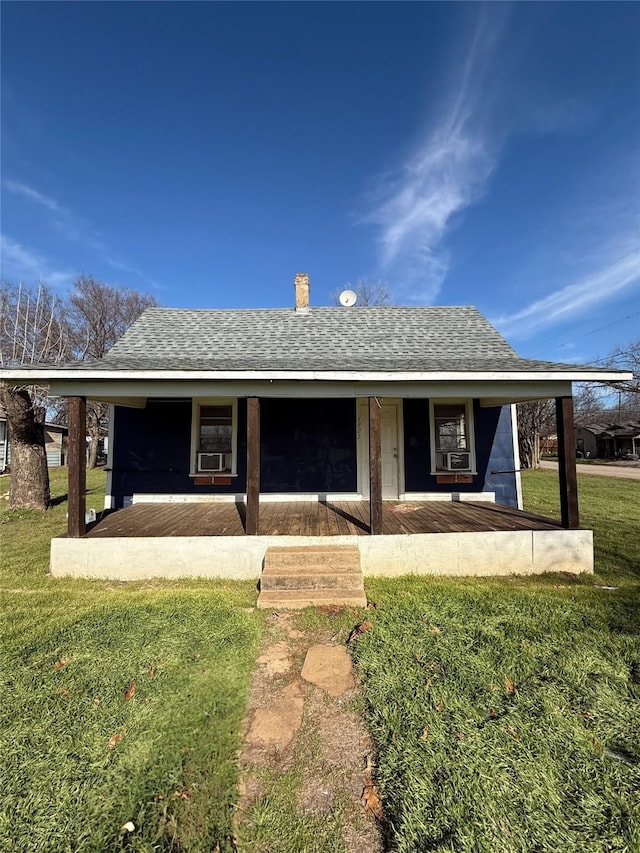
567 462
77 461
375 468
253 466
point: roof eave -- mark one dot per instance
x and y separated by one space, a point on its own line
16 376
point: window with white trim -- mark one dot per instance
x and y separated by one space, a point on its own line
214 436
452 438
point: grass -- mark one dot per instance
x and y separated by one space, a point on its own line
507 712
80 755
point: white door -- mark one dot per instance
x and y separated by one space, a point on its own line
391 446
389 441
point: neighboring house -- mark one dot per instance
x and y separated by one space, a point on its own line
389 429
55 442
608 441
54 438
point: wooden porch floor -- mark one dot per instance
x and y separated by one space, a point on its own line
314 518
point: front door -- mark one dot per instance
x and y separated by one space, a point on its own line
389 441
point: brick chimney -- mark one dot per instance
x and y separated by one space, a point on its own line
301 284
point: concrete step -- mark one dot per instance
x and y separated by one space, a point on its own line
306 579
304 576
295 599
331 558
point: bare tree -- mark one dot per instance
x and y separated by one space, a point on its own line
587 404
31 332
627 358
535 419
368 293
97 315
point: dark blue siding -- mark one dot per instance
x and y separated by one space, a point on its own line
308 445
151 450
494 452
500 476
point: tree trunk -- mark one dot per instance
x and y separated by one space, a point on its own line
94 435
95 415
535 461
29 472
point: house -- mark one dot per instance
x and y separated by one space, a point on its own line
54 438
238 434
608 441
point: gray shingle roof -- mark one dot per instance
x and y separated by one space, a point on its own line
390 339
385 338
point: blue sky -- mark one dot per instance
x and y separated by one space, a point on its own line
206 152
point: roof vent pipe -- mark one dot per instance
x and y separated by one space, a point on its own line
301 284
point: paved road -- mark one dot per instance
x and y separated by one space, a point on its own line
626 471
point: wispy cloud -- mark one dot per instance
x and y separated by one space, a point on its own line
28 192
75 229
21 263
448 172
600 286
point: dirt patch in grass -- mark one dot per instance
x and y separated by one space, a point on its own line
306 751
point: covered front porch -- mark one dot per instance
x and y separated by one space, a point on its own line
207 539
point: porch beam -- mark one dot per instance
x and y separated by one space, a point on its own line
375 468
77 462
253 466
567 463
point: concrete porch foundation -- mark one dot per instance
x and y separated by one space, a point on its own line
239 557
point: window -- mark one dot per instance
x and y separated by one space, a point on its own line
452 445
451 428
214 437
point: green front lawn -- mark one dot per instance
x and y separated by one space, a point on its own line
506 712
120 702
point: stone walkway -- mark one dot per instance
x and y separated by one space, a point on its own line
299 720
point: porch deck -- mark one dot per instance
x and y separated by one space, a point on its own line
175 540
315 518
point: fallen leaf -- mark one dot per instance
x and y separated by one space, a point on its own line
440 706
129 826
183 793
114 739
425 733
514 734
360 629
434 629
129 692
459 735
504 827
493 712
372 801
96 700
151 672
509 684
60 664
64 693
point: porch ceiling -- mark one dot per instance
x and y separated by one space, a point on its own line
491 392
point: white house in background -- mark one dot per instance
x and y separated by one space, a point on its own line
54 438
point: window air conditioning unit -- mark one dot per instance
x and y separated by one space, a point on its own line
211 461
455 460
